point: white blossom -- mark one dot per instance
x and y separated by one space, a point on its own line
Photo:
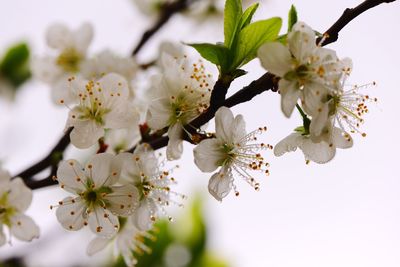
103 104
320 151
307 71
15 198
142 169
97 200
233 150
71 47
180 94
127 241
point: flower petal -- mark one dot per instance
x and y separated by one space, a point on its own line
289 96
208 155
85 133
158 114
301 41
24 228
103 223
341 139
276 58
321 152
220 184
319 122
70 213
3 238
288 144
20 195
175 144
83 37
96 245
223 123
123 200
104 169
71 177
121 116
58 36
141 218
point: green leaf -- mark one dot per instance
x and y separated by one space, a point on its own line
252 37
15 64
292 17
232 14
248 15
217 54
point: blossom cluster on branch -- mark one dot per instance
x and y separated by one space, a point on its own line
122 190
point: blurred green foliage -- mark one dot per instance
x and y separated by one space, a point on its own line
14 66
189 231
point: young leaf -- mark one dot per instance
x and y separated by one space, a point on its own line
217 54
292 17
232 13
14 66
248 15
252 37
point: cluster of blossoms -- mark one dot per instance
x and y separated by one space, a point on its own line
15 198
118 196
315 76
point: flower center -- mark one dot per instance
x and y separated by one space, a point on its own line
69 60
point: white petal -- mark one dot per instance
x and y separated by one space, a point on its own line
276 58
71 213
301 41
159 114
65 90
175 146
141 218
319 122
341 139
289 96
24 228
82 37
220 184
85 134
115 84
103 169
208 155
223 123
46 70
288 144
121 116
71 177
103 223
20 195
3 238
96 245
58 36
123 200
312 96
238 129
318 152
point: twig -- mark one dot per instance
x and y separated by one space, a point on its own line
332 34
167 11
51 159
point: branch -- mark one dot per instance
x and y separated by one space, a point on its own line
167 11
52 158
332 34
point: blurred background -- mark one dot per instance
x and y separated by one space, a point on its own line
345 213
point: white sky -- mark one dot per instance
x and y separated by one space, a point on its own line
345 213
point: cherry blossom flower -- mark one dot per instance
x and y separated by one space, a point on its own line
142 169
103 104
307 71
70 47
320 151
97 200
180 94
15 198
233 151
